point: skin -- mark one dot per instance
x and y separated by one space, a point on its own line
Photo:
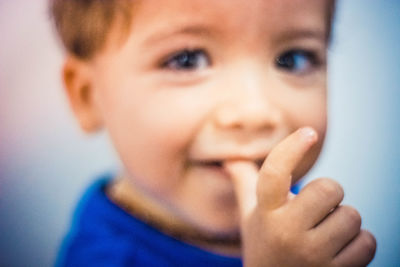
310 229
170 122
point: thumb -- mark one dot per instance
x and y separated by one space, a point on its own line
244 175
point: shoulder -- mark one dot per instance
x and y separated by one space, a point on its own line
100 230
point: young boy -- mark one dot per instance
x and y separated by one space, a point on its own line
215 108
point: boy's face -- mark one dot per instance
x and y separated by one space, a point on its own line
200 82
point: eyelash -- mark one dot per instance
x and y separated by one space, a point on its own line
294 61
187 60
298 61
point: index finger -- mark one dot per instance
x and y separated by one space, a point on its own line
275 176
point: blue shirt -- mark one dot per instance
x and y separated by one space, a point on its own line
102 234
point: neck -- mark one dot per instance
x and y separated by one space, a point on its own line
135 202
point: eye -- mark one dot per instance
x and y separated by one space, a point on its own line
187 60
298 61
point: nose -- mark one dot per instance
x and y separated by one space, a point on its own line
248 104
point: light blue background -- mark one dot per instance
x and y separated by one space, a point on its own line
45 162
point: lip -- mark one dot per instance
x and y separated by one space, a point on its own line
219 163
213 168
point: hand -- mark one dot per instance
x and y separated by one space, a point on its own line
310 229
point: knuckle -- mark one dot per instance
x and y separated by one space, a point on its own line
352 216
329 188
285 240
310 251
312 256
284 237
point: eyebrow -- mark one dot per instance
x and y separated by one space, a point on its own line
163 33
204 30
295 34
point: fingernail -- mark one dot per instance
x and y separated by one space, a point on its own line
308 134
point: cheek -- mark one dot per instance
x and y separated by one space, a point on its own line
305 106
173 120
308 109
152 130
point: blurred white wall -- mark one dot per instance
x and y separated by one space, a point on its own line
46 162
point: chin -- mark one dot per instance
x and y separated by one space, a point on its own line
223 224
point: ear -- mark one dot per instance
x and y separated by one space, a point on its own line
79 85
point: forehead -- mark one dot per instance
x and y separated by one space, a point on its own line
245 15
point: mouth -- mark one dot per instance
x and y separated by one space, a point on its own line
220 163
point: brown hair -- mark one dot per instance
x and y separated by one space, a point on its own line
84 25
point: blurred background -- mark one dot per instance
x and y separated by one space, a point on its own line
46 162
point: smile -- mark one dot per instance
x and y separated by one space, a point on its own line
220 163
